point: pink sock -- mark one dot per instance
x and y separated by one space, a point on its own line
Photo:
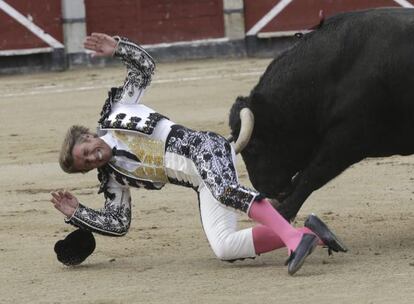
264 213
265 240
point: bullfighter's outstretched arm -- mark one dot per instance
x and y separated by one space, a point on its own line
140 68
113 219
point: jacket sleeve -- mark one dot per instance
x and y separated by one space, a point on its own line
113 220
140 68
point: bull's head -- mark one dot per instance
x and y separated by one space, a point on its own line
268 153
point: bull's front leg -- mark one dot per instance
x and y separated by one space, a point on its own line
291 205
333 157
289 188
317 174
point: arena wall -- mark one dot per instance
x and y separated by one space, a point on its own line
48 34
156 21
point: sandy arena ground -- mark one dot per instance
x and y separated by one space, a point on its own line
165 258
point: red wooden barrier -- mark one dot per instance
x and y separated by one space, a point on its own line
157 21
45 14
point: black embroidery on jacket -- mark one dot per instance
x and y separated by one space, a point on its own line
132 124
106 171
120 116
140 66
182 183
113 95
212 156
140 69
151 122
111 221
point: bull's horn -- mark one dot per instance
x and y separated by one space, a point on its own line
246 129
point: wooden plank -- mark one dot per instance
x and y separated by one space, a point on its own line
269 16
157 21
45 14
179 30
28 23
20 52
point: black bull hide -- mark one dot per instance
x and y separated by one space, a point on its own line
342 93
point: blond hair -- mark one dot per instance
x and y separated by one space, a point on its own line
73 136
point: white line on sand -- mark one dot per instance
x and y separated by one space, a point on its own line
49 89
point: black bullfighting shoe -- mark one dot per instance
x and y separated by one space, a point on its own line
297 258
325 234
75 247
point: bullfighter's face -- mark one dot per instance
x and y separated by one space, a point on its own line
91 153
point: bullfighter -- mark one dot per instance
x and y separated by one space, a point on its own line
138 147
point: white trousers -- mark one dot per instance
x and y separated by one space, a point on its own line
206 161
220 226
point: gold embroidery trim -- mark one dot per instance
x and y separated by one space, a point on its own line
151 154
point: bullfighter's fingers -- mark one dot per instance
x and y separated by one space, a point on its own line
92 38
103 39
68 194
55 195
55 202
99 35
89 45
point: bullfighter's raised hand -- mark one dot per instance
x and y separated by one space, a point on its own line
101 44
65 202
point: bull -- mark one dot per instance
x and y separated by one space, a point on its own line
341 93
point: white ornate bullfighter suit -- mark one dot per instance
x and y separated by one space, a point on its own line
149 151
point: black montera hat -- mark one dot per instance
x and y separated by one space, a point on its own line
75 247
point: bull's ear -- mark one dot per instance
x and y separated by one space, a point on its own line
242 102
